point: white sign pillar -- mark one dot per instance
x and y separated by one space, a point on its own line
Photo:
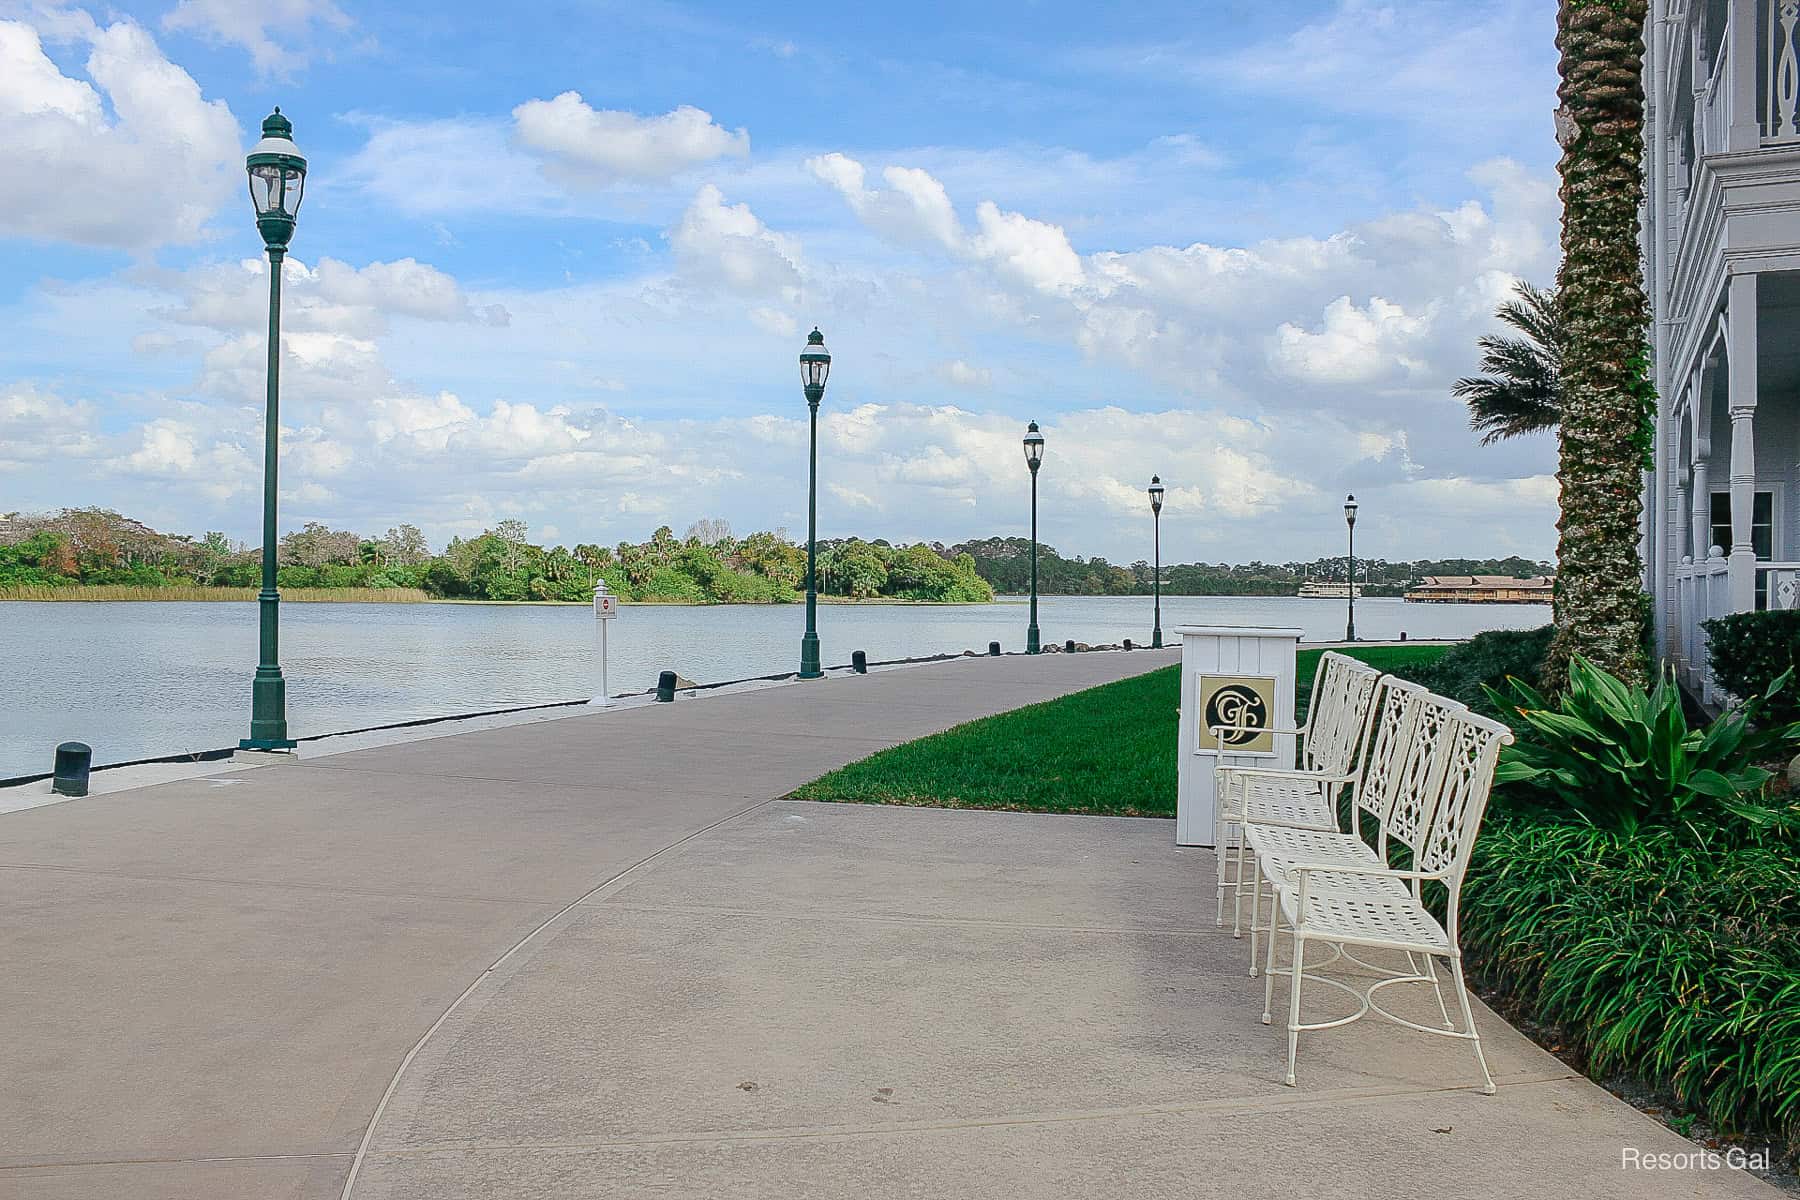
606 607
1237 675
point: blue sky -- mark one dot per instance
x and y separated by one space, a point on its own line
556 264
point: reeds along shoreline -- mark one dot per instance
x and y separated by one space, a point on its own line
130 592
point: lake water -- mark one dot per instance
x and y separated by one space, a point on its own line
148 679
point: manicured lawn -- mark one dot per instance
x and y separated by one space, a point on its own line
1109 750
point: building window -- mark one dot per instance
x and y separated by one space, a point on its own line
1762 524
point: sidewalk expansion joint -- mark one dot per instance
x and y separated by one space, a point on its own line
615 882
1224 1106
879 919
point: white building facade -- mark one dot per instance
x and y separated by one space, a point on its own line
1722 261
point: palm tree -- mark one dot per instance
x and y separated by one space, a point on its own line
1521 391
1604 438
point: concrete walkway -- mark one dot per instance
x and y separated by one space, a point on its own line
642 977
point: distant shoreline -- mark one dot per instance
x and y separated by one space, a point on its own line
117 594
125 594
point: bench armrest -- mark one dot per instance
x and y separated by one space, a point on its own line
1302 869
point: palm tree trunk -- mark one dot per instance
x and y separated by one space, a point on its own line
1604 436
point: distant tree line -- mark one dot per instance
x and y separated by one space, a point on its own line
77 547
1006 564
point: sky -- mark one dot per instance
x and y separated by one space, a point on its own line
556 262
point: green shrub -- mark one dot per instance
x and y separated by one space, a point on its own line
1750 650
1619 757
1466 671
670 584
1672 957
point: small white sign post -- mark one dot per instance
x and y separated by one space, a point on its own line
606 607
1230 675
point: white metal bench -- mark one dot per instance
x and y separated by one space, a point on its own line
1384 776
1337 722
1336 889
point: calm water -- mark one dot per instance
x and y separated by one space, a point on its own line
147 679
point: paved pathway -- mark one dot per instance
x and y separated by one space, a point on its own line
210 987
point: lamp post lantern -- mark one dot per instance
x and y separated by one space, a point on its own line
1350 575
277 178
1034 457
815 365
1156 499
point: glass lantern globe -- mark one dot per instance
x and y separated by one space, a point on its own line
1034 447
815 366
277 179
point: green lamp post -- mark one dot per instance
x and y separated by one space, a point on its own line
1156 498
815 365
1350 573
277 178
1034 457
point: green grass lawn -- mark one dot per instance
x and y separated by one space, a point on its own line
1109 750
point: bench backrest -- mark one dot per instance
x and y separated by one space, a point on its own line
1394 716
1415 782
1469 749
1338 720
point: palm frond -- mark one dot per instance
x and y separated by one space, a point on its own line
1521 390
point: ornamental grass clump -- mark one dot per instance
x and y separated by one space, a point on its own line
1666 956
1622 758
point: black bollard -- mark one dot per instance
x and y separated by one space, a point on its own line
73 762
859 662
994 648
1128 643
665 688
1069 646
1403 635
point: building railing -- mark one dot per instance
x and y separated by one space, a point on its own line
1781 116
1702 592
1778 584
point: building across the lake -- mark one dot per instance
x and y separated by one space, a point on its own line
1483 589
1721 243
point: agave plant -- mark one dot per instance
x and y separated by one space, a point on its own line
1621 758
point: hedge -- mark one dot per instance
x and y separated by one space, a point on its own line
1670 957
1748 651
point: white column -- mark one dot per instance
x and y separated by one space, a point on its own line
1741 402
1660 551
1701 529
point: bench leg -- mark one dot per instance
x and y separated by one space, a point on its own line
1436 985
1222 856
1238 854
1269 965
1255 905
1294 1005
1468 1016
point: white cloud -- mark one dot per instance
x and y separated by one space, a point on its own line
914 209
604 146
728 244
250 23
38 427
430 168
960 374
1034 252
334 297
151 174
1354 345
